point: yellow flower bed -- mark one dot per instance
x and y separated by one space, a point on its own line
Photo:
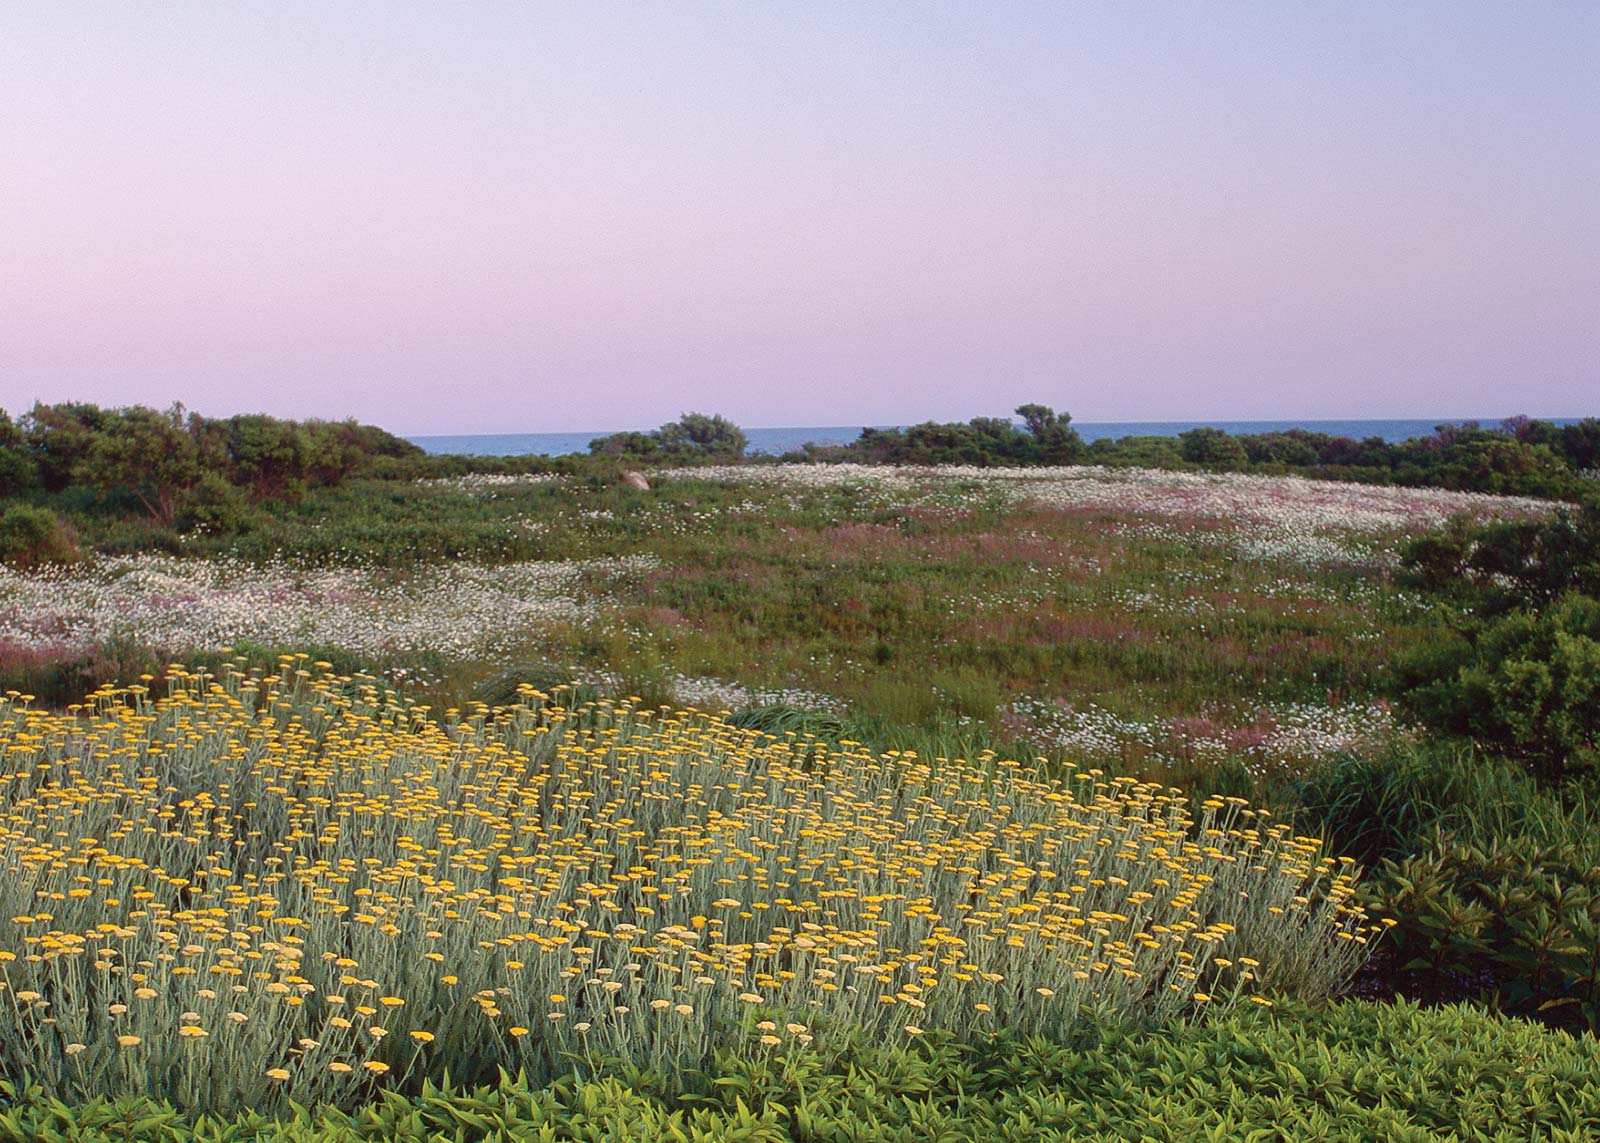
297 885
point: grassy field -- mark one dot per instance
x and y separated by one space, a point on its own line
873 769
1166 622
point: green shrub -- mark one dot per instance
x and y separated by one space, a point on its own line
1527 684
214 505
1353 1073
1508 910
1491 879
32 536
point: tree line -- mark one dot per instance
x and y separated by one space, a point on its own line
1520 456
170 461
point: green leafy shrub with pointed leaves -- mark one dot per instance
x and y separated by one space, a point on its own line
1350 1073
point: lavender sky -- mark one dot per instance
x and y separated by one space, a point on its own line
530 217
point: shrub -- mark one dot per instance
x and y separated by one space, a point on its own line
1492 881
1501 566
1512 917
1212 446
214 505
694 436
1351 1074
32 536
1527 684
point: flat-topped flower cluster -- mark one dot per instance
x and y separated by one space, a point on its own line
1270 517
182 605
1280 738
487 483
258 888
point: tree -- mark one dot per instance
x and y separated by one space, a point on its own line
1580 444
147 453
629 445
18 469
1211 446
60 437
697 435
1056 441
268 456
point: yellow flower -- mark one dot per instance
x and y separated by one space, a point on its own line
192 1031
376 1067
339 1068
279 1074
128 1041
422 1037
518 1030
771 1041
913 1029
391 1001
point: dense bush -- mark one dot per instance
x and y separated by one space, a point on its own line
32 536
1212 447
1497 567
1533 458
1526 684
1491 879
1046 437
1520 671
1354 1073
693 437
158 458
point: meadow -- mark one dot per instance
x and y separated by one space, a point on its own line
778 801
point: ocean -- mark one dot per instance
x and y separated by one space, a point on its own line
775 441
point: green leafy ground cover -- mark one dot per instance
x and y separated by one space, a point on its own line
1351 1073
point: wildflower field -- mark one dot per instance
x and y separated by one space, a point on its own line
1120 611
776 802
288 885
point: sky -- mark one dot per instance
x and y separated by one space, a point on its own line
526 217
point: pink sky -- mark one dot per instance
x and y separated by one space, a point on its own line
522 218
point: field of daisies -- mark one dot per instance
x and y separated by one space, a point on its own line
820 802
